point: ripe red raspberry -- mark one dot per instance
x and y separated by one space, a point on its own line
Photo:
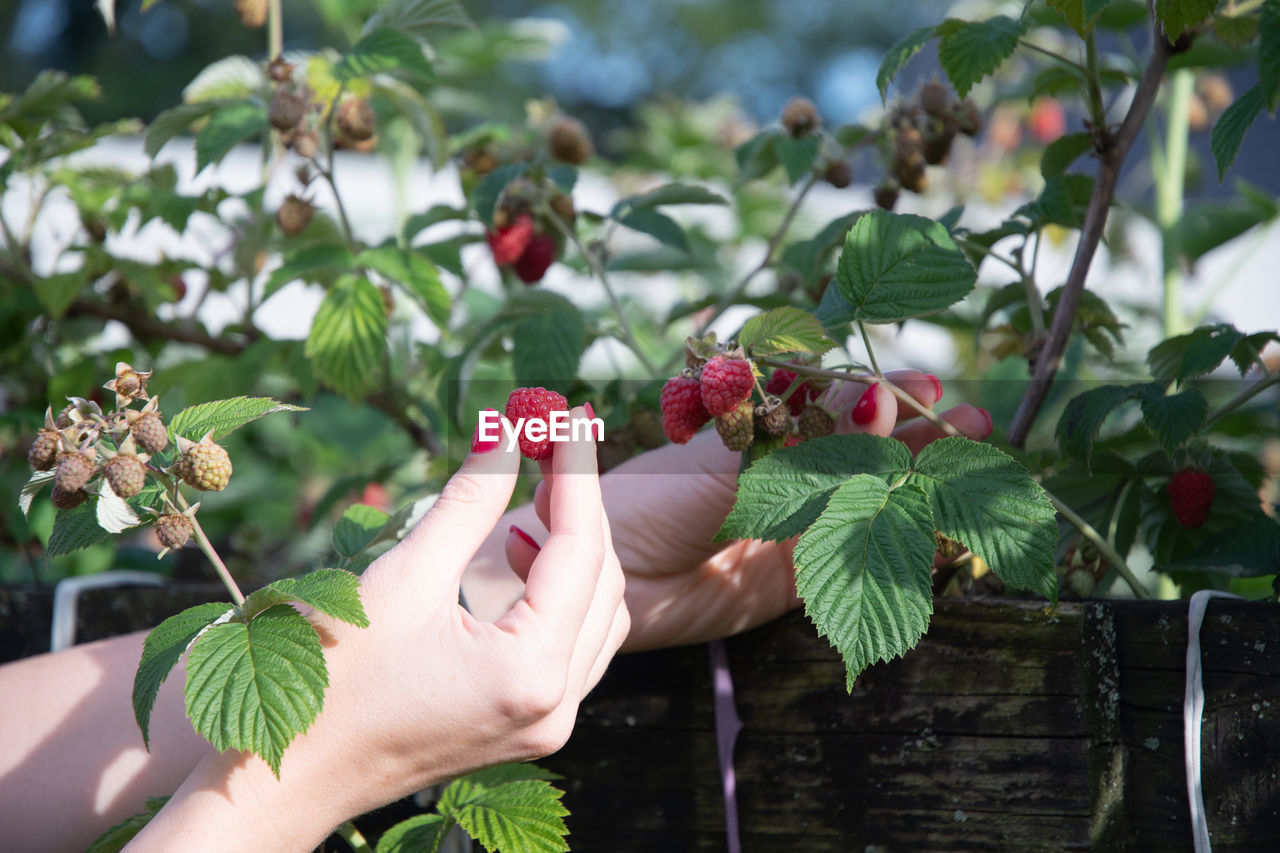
781 380
508 243
1191 496
125 473
205 466
74 470
67 498
533 404
537 258
737 427
792 440
682 411
44 450
726 382
815 422
148 432
173 530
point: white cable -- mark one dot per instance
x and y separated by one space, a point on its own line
62 633
1193 714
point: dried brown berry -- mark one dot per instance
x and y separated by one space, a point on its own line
970 118
886 196
125 473
562 204
149 433
838 174
64 417
287 109
173 530
67 498
356 119
935 99
44 450
773 418
800 116
253 13
937 142
205 466
306 144
294 215
74 470
569 141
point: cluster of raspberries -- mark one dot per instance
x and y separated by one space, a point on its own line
522 247
721 389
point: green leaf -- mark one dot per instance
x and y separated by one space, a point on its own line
899 55
658 225
547 345
797 155
418 18
1178 16
1175 418
225 416
784 330
254 686
863 571
57 292
117 837
417 275
1062 152
306 262
1236 31
1269 53
523 814
419 222
162 650
969 51
985 499
1247 353
229 125
897 266
1084 416
1207 224
418 833
1081 15
357 529
783 493
758 156
670 194
334 592
809 257
384 51
1247 550
74 529
1193 354
485 196
1228 134
348 336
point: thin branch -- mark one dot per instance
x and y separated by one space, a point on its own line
1113 151
1054 55
1110 554
1240 399
220 567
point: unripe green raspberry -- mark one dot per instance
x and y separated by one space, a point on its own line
67 498
205 466
737 426
815 422
173 530
44 450
149 433
73 471
125 473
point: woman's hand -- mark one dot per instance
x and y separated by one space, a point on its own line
427 692
666 506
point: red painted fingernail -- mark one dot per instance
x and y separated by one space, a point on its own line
865 410
526 537
991 427
591 413
937 386
484 446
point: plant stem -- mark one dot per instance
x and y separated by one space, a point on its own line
628 336
1035 305
327 174
275 30
1097 111
978 247
1170 180
354 838
1054 55
1240 399
871 356
1112 155
220 567
444 830
1104 547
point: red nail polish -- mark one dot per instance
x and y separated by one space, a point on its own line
991 427
529 540
591 413
481 446
865 410
937 386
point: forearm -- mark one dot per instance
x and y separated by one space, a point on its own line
72 761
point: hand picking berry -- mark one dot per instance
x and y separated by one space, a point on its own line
682 411
726 382
1191 495
529 405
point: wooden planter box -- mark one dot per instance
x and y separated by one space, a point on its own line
1010 727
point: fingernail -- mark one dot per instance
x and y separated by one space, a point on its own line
991 427
591 413
526 537
479 446
937 386
865 410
